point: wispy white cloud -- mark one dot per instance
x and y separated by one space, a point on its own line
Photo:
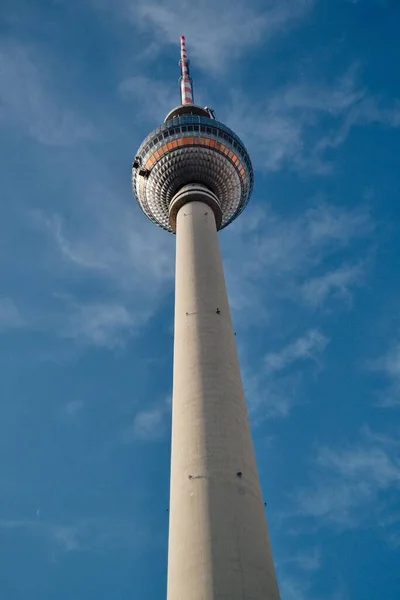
275 130
390 362
272 262
107 272
307 347
266 397
389 366
102 534
269 257
333 98
333 224
216 32
310 561
105 324
151 98
29 101
149 425
10 316
352 484
99 323
337 283
127 260
307 560
381 439
369 110
360 462
295 587
284 130
64 537
72 408
67 537
111 239
273 388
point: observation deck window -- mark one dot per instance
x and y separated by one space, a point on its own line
184 128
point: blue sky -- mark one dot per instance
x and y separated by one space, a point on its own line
86 297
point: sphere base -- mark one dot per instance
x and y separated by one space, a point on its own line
190 193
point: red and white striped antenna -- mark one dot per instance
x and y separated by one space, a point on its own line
185 80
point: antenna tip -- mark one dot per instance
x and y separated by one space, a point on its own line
182 37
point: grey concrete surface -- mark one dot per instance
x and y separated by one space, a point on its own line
219 546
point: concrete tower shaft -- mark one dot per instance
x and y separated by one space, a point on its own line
218 541
192 176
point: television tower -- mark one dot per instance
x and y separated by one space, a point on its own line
193 176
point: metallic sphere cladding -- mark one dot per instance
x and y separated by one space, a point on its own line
189 148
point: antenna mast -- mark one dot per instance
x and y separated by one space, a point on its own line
185 80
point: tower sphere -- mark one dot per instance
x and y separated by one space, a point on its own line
191 147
